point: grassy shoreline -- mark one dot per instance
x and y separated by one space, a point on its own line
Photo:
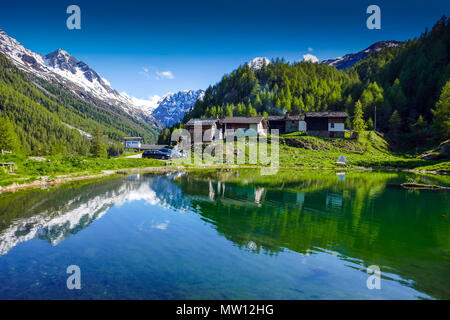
40 169
369 152
51 182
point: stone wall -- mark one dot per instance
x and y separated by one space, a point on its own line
326 134
318 134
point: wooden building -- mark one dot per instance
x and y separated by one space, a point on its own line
287 123
211 129
326 124
231 124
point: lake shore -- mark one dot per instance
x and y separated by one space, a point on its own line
44 182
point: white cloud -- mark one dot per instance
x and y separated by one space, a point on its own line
145 72
148 105
310 49
156 75
161 226
165 74
310 58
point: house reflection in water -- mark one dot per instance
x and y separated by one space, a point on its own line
257 196
217 191
341 176
300 198
355 221
249 197
334 200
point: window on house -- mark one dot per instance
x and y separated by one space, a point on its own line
332 125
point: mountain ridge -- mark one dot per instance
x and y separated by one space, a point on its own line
350 59
173 106
403 85
61 67
48 118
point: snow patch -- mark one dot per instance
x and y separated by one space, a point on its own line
258 63
310 58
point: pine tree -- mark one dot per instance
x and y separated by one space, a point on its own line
358 121
258 103
348 102
98 148
441 114
420 124
370 124
348 124
9 141
394 122
278 103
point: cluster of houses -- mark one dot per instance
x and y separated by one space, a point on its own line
327 124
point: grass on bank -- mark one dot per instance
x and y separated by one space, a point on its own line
296 150
314 179
370 151
28 169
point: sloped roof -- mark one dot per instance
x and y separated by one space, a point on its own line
299 118
203 122
243 120
132 138
327 114
275 118
286 117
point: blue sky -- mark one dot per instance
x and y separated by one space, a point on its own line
148 48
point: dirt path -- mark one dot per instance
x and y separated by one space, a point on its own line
135 156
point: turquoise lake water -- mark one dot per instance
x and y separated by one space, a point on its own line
227 235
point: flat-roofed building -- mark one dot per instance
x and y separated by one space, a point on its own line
132 142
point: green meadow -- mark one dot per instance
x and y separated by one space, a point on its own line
29 169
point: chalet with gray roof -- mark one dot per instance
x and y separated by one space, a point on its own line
231 124
211 129
326 124
287 123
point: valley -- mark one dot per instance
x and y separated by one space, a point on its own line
58 107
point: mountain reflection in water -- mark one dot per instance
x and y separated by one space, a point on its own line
355 218
54 217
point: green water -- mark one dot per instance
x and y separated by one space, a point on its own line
228 235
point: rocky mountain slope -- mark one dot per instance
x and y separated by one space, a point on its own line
62 68
173 106
349 60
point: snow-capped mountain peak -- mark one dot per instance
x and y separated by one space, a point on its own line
61 59
258 63
61 67
67 66
173 106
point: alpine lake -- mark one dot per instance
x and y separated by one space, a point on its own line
229 234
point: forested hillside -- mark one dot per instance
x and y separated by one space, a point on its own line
39 114
403 84
277 88
412 80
